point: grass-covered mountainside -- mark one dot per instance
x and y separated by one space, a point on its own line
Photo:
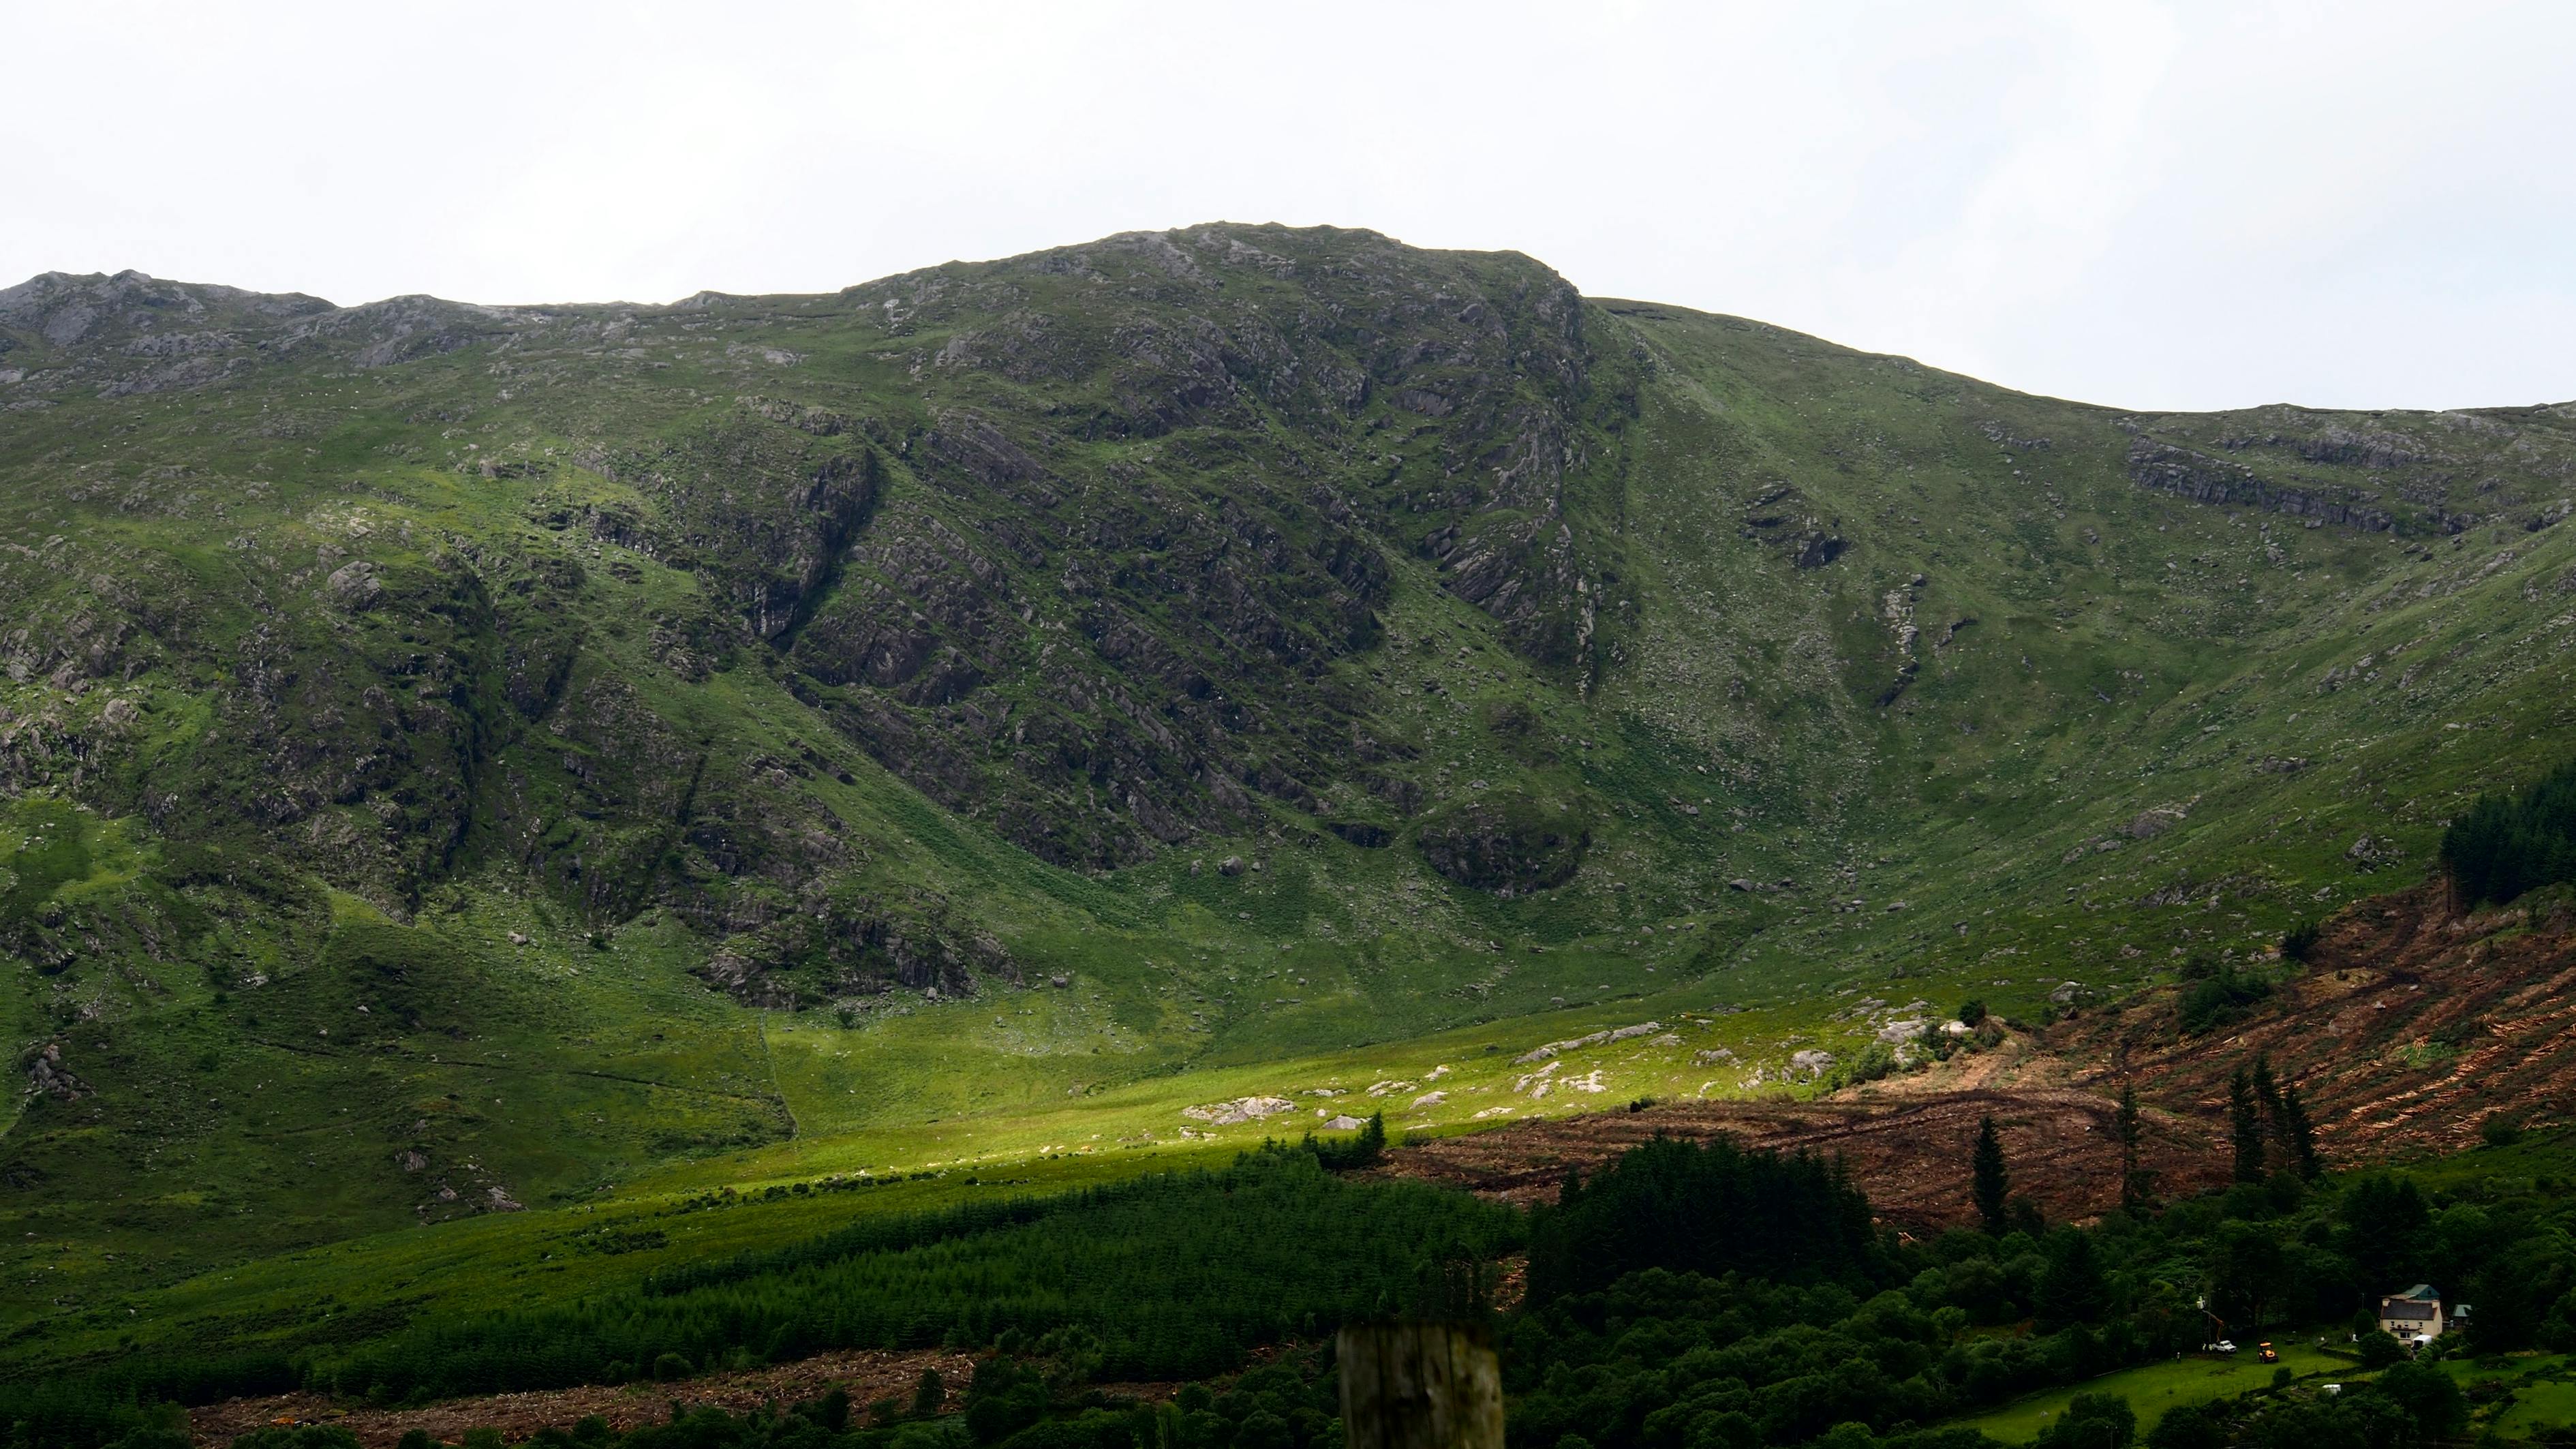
459 759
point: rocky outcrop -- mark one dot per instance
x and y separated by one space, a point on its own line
1242 1109
1780 518
2165 468
765 512
1507 844
860 946
1598 1038
46 1074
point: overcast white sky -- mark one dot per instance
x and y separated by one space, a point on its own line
2355 203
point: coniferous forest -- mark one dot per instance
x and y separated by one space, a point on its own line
1683 1297
2515 841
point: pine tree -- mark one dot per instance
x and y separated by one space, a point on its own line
2133 1181
2245 1127
2072 1288
2267 1091
2287 1117
2299 1135
1990 1182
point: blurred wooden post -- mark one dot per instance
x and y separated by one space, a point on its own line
1419 1386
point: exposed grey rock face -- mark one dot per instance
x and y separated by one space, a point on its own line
2165 468
47 1074
1781 517
354 585
2152 823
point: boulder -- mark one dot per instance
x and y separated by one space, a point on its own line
354 585
1241 1109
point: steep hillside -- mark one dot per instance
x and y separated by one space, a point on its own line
459 759
2414 1032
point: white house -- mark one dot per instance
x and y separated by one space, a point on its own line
2414 1316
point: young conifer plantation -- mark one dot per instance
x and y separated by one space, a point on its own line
1684 1295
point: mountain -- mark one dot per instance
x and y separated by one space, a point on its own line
459 759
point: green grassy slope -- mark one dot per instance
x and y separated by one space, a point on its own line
458 758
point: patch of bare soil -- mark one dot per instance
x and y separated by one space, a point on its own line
2411 1028
868 1376
1908 1149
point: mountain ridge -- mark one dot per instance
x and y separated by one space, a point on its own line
602 744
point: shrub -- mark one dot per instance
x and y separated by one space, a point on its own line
1869 1064
2190 1426
2429 1395
1344 1154
2300 939
2221 995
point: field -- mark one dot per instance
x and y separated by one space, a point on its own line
2158 1387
